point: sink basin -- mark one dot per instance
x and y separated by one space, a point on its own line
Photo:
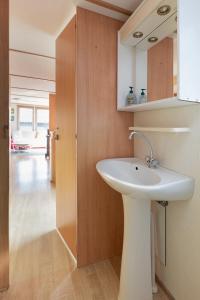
130 176
138 185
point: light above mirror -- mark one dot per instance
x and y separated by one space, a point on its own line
137 34
163 10
152 39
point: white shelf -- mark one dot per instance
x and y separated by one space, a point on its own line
161 129
153 105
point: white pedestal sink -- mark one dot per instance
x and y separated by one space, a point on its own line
138 185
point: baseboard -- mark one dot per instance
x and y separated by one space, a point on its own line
66 246
163 287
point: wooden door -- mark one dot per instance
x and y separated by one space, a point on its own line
52 128
102 133
4 146
66 143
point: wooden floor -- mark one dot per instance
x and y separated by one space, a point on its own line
40 266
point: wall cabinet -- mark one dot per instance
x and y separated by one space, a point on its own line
154 22
89 213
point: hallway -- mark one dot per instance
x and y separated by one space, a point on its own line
40 267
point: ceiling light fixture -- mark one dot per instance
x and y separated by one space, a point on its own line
137 34
163 10
152 39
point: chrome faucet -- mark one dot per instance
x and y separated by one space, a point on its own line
150 160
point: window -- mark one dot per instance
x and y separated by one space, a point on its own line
33 123
42 124
42 119
25 119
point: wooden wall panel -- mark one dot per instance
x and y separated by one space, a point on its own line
66 145
160 70
52 127
4 146
102 133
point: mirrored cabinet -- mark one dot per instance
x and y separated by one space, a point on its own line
158 56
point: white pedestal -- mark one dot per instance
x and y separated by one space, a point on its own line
135 281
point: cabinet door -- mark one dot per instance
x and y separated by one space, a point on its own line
189 49
66 131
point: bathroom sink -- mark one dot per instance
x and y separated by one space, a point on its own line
130 176
138 185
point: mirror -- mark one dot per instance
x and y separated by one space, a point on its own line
148 55
156 62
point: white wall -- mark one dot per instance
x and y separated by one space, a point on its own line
24 36
180 152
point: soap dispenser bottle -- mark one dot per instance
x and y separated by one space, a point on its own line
131 97
143 96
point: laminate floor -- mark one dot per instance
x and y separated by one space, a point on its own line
40 266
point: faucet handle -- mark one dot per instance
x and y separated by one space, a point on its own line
154 163
148 160
151 162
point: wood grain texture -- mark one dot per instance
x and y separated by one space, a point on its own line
162 294
40 266
102 133
160 70
4 145
111 6
52 128
52 112
66 124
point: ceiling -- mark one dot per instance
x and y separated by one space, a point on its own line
46 15
34 26
49 16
